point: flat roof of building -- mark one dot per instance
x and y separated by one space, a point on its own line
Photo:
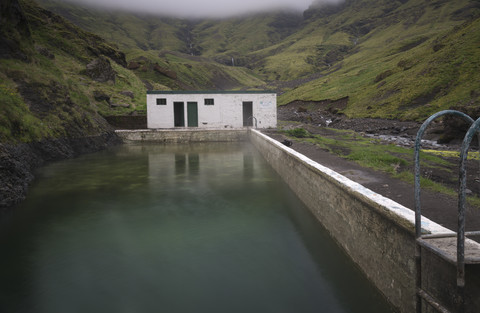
189 92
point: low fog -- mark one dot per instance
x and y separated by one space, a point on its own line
203 8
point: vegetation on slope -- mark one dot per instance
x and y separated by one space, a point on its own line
393 59
179 71
58 80
163 51
46 88
408 69
129 31
401 59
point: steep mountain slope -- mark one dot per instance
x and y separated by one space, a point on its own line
45 80
205 37
58 82
129 31
161 49
414 60
395 59
400 59
49 74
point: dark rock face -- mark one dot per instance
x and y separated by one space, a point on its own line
119 105
128 94
74 130
100 70
455 128
147 85
45 52
101 48
13 26
101 96
43 97
133 65
17 162
165 71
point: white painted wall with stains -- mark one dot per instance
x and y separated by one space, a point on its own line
164 109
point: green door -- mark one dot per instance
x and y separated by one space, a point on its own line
192 112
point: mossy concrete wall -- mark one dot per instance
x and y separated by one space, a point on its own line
183 135
376 232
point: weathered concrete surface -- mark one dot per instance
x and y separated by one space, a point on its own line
226 110
439 278
376 232
181 135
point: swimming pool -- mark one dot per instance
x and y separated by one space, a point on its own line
204 227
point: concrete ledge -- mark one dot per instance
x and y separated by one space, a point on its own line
183 135
376 232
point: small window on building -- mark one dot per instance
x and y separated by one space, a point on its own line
161 101
209 101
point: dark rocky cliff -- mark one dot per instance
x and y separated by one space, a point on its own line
18 162
43 115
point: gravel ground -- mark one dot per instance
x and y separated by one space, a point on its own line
437 207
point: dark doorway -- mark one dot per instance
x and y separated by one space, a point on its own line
179 114
192 114
247 113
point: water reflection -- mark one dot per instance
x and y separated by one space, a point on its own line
180 228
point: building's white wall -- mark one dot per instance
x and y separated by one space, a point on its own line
227 111
265 110
159 116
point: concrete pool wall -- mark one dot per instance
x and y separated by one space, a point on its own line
183 135
376 232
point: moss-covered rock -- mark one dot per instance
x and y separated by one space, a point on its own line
100 70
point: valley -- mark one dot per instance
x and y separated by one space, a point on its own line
393 59
374 66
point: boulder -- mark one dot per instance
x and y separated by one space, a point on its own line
101 96
133 65
100 70
165 71
120 105
128 94
147 84
45 52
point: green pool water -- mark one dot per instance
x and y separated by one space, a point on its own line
172 228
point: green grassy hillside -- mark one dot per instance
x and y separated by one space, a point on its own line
46 90
417 59
128 31
392 59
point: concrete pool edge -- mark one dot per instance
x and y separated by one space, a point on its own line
376 232
183 135
403 215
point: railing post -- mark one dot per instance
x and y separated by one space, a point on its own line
461 213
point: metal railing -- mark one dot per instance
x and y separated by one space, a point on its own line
253 118
423 240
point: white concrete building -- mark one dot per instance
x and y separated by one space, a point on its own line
211 109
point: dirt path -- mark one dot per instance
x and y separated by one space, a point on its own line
438 207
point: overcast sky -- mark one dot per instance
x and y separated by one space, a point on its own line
201 8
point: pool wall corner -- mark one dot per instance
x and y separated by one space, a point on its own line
376 232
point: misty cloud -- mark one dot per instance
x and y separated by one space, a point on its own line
203 8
